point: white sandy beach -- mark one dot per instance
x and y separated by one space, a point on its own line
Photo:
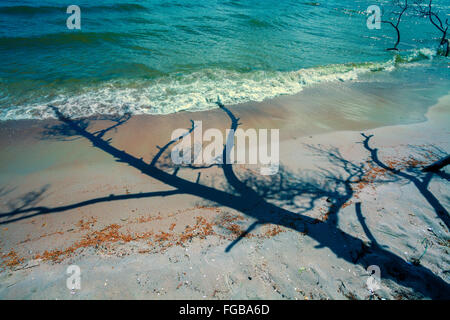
67 202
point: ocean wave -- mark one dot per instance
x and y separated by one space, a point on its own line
197 91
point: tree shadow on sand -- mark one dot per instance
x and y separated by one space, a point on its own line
411 172
283 199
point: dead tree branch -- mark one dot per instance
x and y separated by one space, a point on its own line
396 25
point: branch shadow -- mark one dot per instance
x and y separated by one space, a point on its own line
26 212
27 200
271 200
414 174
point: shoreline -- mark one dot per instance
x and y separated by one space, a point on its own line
283 112
268 86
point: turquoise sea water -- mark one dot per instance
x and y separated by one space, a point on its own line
163 56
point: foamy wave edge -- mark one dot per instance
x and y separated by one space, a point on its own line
198 91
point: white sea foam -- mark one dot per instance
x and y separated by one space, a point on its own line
198 90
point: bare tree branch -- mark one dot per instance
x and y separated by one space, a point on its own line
426 10
395 26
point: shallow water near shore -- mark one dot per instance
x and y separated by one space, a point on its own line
161 57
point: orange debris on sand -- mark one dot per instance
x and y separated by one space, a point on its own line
11 259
